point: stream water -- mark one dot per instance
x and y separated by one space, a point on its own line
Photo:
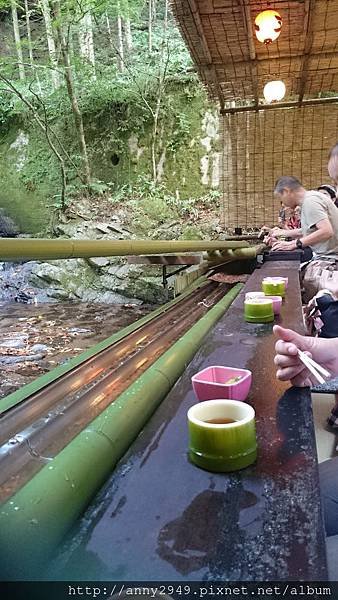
36 338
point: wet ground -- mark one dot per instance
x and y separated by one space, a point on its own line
36 338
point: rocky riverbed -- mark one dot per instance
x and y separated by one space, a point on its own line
35 338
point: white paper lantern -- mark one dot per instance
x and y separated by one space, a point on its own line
268 25
274 91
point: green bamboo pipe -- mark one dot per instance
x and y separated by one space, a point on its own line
230 255
248 252
12 249
34 521
44 380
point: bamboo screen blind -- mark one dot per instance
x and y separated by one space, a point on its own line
260 147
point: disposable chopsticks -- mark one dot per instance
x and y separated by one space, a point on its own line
316 369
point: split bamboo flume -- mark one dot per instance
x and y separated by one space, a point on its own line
70 366
48 420
41 512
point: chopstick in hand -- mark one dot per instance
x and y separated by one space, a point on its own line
313 367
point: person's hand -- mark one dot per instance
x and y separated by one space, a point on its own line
277 232
289 366
269 240
264 230
285 245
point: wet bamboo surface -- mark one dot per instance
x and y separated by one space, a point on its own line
35 430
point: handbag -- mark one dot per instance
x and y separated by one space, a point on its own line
320 274
321 315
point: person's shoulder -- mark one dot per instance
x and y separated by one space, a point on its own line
314 195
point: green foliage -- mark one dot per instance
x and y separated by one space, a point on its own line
6 108
114 106
153 204
99 188
190 232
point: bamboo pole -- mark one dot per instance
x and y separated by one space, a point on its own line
13 249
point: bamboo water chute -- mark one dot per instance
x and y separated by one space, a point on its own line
46 507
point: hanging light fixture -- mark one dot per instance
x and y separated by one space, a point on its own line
268 25
274 91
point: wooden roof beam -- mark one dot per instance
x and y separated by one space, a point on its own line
291 104
200 30
262 59
309 10
252 50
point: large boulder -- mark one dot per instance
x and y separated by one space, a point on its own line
7 226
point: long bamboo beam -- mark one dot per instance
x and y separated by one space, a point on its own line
17 249
291 104
263 58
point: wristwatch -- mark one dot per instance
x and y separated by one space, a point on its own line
299 244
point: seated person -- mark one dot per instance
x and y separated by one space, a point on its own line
319 219
281 216
294 219
330 191
288 218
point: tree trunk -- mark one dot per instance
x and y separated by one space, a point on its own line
120 50
150 25
160 91
17 40
72 94
86 40
50 41
110 36
165 24
127 35
29 44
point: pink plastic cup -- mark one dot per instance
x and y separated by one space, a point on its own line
276 303
211 383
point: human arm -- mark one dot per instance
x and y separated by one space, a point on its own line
323 232
290 233
289 366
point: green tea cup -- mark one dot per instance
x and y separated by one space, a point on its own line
273 288
222 435
258 310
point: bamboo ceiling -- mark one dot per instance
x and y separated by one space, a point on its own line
235 66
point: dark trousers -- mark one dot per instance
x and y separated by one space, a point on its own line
328 475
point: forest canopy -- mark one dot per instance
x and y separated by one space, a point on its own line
82 56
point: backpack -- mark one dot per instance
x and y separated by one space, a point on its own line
321 315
